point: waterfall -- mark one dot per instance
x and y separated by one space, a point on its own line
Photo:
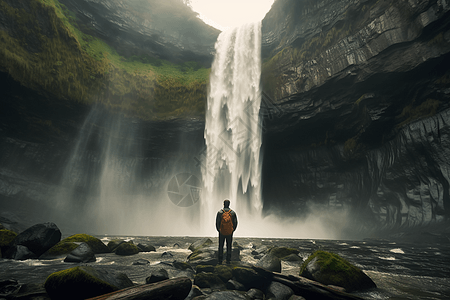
233 128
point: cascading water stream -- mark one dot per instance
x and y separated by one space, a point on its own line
233 127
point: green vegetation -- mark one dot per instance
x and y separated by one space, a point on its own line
60 249
64 61
334 270
96 245
411 113
127 248
6 237
76 283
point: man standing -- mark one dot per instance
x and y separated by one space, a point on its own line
226 224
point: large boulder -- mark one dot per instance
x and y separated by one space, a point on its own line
282 252
331 269
6 240
127 248
84 282
176 288
208 280
252 277
157 276
96 244
20 252
146 248
61 249
270 262
279 291
113 244
39 238
82 254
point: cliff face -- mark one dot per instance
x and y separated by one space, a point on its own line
357 97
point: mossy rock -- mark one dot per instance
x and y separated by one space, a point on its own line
208 280
96 245
84 282
282 252
225 272
204 269
331 269
60 249
7 237
127 248
113 244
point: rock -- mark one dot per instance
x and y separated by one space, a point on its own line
157 276
209 255
6 238
176 246
145 247
237 246
270 262
39 238
20 252
96 245
292 257
204 269
141 262
226 295
32 291
84 282
225 272
205 242
279 291
127 248
330 269
167 254
260 250
296 297
281 252
9 286
251 278
182 265
82 254
195 291
234 285
113 244
208 280
59 250
176 288
255 294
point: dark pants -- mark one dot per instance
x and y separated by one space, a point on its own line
229 239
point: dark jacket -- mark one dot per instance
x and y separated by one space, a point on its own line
219 218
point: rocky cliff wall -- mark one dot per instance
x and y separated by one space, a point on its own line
345 83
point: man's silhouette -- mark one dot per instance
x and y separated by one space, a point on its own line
226 224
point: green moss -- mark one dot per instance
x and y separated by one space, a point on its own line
60 249
127 248
76 283
225 272
6 237
96 245
334 270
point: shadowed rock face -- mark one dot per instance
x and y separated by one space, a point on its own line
357 97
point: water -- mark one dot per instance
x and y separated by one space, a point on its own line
400 270
233 126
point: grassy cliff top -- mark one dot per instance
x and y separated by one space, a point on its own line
44 49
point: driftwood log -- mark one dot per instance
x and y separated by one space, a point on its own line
173 289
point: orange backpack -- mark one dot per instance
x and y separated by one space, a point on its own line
226 225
